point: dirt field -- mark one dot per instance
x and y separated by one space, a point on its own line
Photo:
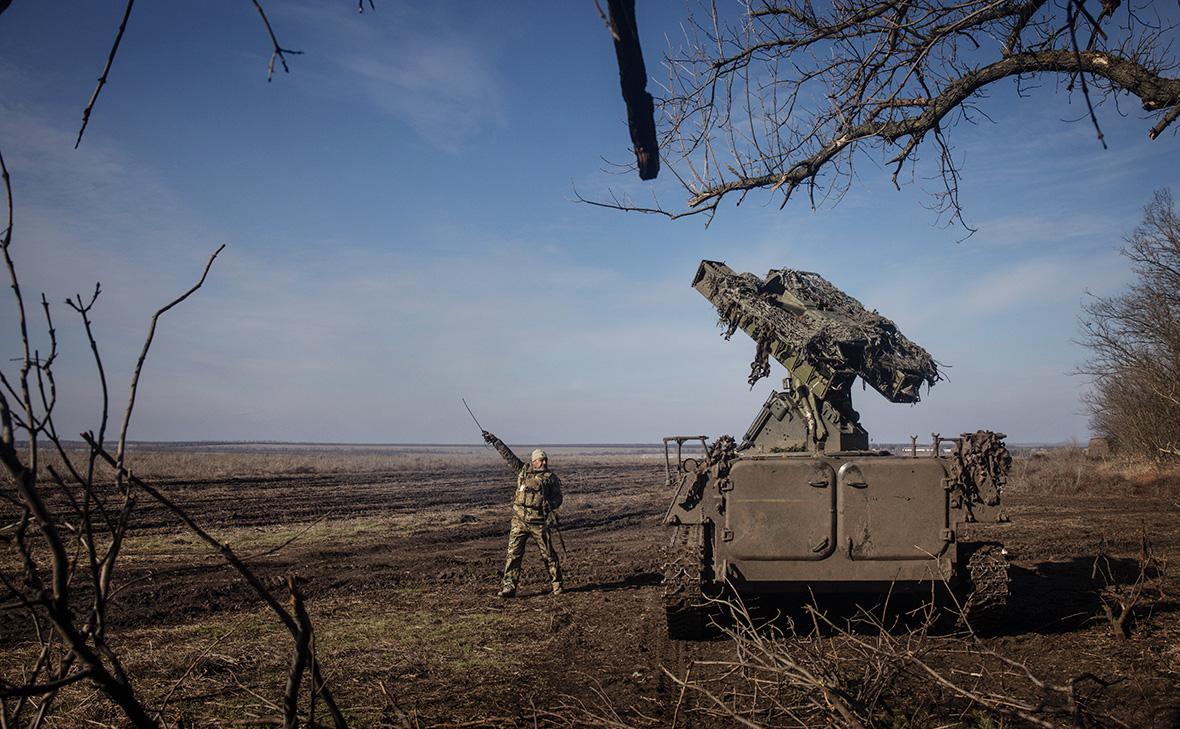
399 551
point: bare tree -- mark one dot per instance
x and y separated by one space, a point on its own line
1134 342
796 94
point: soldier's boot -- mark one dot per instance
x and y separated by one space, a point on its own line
554 566
511 570
508 584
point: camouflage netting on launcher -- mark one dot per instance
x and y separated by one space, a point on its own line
833 330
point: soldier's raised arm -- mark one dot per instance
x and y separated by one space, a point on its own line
509 457
554 497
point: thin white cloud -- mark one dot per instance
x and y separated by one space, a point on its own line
444 92
82 214
1036 282
1061 227
438 78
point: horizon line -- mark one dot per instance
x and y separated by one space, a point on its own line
636 444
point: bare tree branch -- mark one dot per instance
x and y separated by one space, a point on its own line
43 688
794 93
106 70
300 657
277 51
1155 92
633 80
120 451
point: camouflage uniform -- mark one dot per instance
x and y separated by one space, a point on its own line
538 496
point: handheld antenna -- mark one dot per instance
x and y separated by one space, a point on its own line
473 417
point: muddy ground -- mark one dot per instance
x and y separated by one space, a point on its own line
400 566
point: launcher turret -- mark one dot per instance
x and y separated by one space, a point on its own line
825 339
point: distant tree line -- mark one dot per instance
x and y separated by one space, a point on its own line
1134 342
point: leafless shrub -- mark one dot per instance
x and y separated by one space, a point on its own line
869 671
1123 602
873 671
63 525
598 711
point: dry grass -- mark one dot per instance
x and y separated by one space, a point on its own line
156 547
216 461
232 667
1068 471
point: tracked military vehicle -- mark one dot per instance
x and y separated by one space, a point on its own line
802 504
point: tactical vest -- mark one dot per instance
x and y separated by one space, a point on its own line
532 493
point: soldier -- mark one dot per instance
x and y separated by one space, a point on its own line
538 496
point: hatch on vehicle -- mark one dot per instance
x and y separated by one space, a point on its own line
893 509
784 510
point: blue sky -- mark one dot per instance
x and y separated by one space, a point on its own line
401 231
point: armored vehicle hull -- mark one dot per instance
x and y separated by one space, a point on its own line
784 519
808 524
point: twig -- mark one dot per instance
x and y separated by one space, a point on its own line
193 664
1072 15
683 689
288 542
277 50
102 79
121 449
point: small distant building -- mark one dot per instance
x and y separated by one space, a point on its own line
1099 447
